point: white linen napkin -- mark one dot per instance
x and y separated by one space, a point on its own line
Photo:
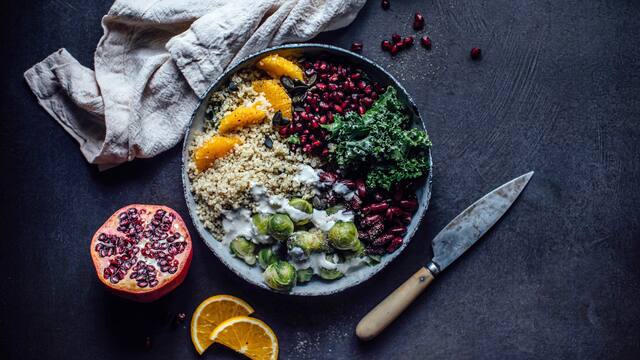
154 60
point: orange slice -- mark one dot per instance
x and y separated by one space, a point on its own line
211 313
277 66
248 336
213 149
241 117
276 94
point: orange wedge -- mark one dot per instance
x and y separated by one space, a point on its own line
211 313
277 66
276 94
248 336
213 149
241 117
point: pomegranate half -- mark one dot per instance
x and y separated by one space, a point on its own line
142 252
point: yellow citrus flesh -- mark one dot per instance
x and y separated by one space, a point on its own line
277 66
275 94
213 149
248 336
241 117
211 313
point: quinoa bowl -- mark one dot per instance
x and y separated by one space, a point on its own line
280 178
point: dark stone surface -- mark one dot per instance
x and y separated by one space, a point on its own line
556 92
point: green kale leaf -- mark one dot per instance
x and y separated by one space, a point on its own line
380 143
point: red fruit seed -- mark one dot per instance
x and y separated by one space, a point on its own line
476 53
386 4
385 45
356 46
426 42
396 38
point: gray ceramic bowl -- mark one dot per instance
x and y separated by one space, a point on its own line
254 274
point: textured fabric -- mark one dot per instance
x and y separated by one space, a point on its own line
156 57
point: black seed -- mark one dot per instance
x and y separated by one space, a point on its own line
298 90
312 79
287 82
277 118
268 142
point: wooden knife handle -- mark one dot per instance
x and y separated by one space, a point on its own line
393 305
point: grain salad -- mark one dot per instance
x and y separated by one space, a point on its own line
306 168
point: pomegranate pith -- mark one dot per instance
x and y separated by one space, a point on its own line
142 252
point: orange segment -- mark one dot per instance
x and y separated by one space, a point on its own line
248 336
241 117
276 94
213 149
211 313
277 66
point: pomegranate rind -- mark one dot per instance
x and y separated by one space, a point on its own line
127 287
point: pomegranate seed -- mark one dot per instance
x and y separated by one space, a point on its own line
385 45
316 144
283 131
394 50
426 42
386 4
396 38
408 41
418 22
321 86
361 110
476 53
356 46
355 76
338 109
399 44
325 152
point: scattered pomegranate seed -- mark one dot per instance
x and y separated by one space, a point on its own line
476 53
418 22
394 50
426 42
396 38
408 41
385 45
386 4
356 46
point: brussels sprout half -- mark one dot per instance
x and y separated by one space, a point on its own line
330 274
244 249
304 275
266 257
344 236
302 205
280 226
280 276
309 241
261 223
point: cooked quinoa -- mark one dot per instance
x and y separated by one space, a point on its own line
226 185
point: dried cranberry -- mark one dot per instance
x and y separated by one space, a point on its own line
476 53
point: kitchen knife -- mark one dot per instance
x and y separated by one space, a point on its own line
448 245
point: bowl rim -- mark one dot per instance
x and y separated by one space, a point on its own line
186 183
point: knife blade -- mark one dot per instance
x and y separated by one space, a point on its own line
469 226
456 238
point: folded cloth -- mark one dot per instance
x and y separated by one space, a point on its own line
154 61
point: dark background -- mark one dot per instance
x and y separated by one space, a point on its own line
557 91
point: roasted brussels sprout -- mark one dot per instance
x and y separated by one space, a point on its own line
304 275
243 249
330 274
309 241
302 205
280 276
344 236
280 226
266 257
261 223
334 209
